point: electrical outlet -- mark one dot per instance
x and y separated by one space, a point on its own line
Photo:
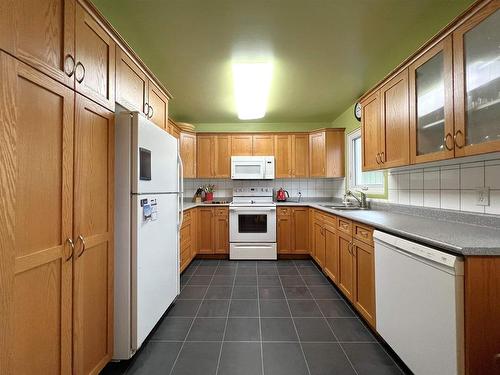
483 196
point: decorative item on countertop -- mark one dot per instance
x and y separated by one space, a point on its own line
198 195
282 195
209 192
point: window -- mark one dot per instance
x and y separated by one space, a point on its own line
369 182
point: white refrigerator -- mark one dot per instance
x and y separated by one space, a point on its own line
148 215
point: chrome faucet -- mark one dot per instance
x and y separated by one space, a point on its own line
362 201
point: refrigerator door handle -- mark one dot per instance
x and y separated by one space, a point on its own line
181 191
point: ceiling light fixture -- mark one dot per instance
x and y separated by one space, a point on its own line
252 82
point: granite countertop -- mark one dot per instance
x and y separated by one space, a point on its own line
189 205
458 233
452 236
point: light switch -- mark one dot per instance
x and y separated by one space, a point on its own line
483 196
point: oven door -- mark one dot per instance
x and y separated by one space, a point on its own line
247 169
252 224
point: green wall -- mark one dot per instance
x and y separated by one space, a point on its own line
346 120
257 127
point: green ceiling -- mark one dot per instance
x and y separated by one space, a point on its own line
326 53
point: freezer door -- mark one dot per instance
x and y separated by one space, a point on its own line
155 261
154 158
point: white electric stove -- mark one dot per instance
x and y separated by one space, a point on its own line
252 224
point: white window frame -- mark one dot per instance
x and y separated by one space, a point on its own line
351 173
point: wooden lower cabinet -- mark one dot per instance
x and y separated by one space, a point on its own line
346 265
331 267
187 240
364 280
213 230
292 228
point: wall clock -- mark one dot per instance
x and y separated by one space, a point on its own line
357 111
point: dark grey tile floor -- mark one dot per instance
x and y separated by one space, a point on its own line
259 318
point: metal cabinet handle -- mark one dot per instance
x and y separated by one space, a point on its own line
70 59
80 237
146 109
83 75
152 112
455 139
382 157
377 158
72 245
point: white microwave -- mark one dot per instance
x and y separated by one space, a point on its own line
252 167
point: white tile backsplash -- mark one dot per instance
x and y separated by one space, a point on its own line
451 187
324 188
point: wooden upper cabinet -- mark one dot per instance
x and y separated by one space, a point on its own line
317 154
204 156
326 153
188 154
157 106
36 113
263 145
41 34
395 127
283 155
93 231
370 132
242 145
95 60
131 83
431 104
364 280
300 155
477 82
222 156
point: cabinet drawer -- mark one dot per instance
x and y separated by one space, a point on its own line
363 233
284 211
318 215
330 220
344 225
221 211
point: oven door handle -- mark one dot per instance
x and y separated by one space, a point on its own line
242 209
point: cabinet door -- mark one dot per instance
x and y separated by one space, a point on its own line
186 243
263 145
93 225
300 155
194 233
346 265
317 152
300 237
318 243
370 132
205 230
188 154
477 82
364 280
331 253
131 83
41 34
242 145
395 126
222 156
431 104
221 229
204 156
95 60
158 106
36 189
284 230
283 156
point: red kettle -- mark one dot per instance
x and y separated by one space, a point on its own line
282 195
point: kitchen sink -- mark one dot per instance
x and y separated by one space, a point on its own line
342 207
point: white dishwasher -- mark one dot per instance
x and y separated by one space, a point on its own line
419 304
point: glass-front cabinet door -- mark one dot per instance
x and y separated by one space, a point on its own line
476 47
431 104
